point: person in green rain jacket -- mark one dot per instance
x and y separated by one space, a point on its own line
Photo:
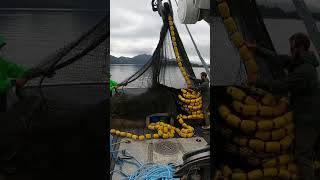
301 83
204 87
113 86
10 75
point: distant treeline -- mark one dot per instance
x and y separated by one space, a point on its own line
142 59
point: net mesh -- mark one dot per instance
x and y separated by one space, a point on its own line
62 104
157 98
81 61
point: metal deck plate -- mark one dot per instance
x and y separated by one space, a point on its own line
158 151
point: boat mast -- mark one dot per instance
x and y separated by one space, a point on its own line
310 23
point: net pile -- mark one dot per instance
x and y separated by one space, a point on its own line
153 75
255 128
81 61
75 75
60 108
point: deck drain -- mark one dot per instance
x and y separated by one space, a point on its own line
166 148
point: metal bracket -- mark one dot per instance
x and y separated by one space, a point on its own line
198 158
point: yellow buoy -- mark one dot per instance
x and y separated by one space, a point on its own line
156 136
129 135
251 66
237 39
224 10
141 138
118 133
245 53
255 175
113 131
135 137
230 25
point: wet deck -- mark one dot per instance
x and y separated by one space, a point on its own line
199 133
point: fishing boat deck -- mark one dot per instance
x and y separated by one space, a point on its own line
205 134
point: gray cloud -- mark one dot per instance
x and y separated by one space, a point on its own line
135 29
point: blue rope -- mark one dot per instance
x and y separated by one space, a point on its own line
150 171
153 171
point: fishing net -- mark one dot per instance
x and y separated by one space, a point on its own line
64 101
254 128
157 97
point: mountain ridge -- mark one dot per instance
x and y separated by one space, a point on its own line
140 60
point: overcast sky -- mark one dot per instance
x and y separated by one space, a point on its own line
135 29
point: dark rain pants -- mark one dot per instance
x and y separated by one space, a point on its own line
3 102
205 109
307 133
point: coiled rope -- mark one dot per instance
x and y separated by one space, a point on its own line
149 171
154 172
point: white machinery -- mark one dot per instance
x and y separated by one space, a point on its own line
192 11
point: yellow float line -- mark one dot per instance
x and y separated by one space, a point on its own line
176 50
164 130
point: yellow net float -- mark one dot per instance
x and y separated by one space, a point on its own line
170 18
176 49
275 134
293 168
123 134
276 131
148 136
262 125
173 34
156 136
248 126
270 172
174 44
129 135
269 100
173 39
245 53
135 137
224 9
257 174
237 39
230 25
257 109
250 101
170 23
236 93
226 171
239 176
171 28
112 131
141 137
251 66
179 59
164 130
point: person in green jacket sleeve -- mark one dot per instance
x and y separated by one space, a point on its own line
204 87
9 71
301 83
113 86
